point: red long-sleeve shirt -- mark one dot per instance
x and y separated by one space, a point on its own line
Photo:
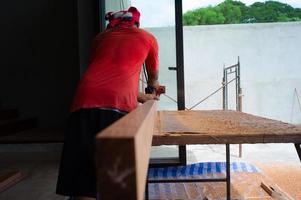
111 80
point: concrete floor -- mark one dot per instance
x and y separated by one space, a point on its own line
268 153
40 162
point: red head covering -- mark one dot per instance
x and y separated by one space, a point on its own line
127 18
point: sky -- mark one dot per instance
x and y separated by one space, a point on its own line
160 13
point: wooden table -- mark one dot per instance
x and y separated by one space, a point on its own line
123 149
220 127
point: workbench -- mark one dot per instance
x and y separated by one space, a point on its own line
220 127
123 149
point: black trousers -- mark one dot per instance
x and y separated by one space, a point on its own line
77 168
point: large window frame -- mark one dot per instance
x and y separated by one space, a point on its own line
181 160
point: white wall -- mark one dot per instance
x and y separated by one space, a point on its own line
270 65
117 5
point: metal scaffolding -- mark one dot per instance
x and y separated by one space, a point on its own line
238 91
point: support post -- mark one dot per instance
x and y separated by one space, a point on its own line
102 13
224 88
180 68
298 149
228 172
240 109
239 99
182 155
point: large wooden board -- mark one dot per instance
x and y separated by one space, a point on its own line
220 127
122 154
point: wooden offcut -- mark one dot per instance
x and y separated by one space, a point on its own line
9 178
220 127
285 175
275 192
122 154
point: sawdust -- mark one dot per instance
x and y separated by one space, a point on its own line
220 127
287 177
244 186
221 122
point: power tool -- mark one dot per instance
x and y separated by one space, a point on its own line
152 90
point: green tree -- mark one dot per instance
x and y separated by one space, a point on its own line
271 11
203 16
213 17
191 18
297 13
232 12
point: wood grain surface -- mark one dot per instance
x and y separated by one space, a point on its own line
220 127
123 152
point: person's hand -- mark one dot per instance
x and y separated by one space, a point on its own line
142 98
155 84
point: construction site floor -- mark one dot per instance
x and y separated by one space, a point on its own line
278 164
243 185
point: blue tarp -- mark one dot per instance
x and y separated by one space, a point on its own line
200 169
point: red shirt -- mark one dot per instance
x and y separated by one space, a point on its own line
111 80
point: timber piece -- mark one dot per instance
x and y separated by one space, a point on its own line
286 176
221 127
275 192
122 154
9 178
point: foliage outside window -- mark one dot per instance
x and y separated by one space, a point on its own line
235 12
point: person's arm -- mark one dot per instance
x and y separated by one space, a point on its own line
152 78
145 97
152 64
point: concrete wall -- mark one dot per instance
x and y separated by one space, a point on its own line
270 65
167 56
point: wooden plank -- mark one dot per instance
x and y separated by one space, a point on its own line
275 192
221 127
10 178
122 154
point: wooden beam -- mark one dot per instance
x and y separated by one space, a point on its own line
122 154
